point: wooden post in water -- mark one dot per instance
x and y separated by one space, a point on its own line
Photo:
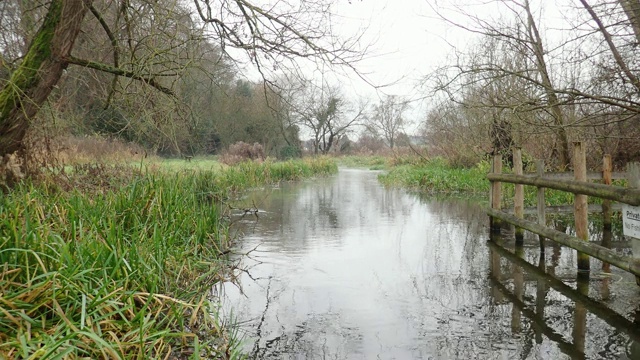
580 316
580 203
518 201
541 296
495 270
496 193
542 216
606 267
518 292
606 220
607 180
633 181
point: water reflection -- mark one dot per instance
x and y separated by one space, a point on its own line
346 269
559 309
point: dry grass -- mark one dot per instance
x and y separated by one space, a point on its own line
74 150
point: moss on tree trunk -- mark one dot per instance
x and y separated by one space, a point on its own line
31 83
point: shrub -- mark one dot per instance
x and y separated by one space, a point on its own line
290 152
241 151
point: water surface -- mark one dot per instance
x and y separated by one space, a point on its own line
341 268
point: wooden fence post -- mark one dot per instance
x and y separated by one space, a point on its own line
542 216
606 216
633 181
607 180
580 203
518 201
496 193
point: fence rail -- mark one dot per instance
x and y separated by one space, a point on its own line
626 263
609 192
599 309
582 188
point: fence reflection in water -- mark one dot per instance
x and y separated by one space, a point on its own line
527 288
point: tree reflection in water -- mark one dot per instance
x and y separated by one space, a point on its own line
347 269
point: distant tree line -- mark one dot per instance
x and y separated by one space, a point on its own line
162 73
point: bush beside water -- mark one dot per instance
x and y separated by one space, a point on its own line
123 272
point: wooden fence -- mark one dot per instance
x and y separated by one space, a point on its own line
582 188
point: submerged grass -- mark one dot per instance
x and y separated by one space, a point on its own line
196 163
122 273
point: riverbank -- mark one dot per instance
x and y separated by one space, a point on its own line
121 265
435 176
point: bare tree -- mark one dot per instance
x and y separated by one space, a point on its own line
327 114
31 82
574 86
272 36
388 118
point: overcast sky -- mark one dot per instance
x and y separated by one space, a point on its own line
409 41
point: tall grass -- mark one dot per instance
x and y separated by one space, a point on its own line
372 162
251 174
436 176
122 273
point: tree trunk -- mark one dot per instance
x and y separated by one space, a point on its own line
31 83
552 97
632 10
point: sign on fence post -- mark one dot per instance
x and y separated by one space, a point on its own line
631 222
631 214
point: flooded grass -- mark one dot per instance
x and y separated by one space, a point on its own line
206 163
438 178
123 271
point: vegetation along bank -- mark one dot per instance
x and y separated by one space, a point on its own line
123 268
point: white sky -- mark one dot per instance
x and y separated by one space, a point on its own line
409 41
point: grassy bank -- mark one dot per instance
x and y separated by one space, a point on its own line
437 177
369 162
122 270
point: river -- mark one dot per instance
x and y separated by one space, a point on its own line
342 268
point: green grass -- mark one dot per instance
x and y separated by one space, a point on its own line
123 271
370 162
208 163
437 177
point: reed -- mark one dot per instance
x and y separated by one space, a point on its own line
370 162
438 177
123 272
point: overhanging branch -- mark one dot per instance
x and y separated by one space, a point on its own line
120 72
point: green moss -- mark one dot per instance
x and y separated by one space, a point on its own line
27 73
